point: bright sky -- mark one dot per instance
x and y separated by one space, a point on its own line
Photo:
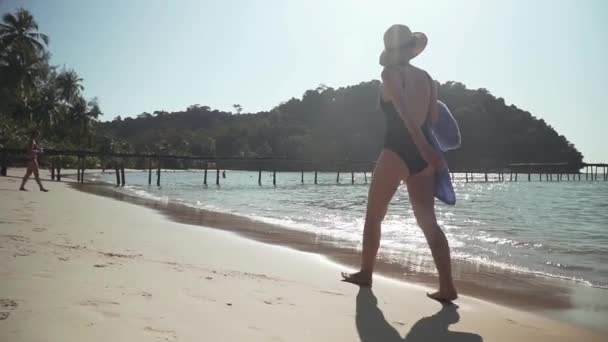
549 57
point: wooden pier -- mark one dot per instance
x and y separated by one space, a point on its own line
552 172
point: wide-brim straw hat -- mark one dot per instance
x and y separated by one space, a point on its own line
401 45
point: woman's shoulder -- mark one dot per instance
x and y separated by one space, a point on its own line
421 72
410 70
388 70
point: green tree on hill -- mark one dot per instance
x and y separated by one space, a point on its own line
329 124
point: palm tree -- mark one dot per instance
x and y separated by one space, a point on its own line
83 114
69 85
19 77
22 59
48 106
94 110
92 114
20 31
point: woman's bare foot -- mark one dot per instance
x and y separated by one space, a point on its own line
360 278
443 297
23 189
44 190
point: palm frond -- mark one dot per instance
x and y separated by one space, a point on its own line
40 36
37 45
4 27
10 19
26 19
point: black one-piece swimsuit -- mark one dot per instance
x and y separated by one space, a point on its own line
399 140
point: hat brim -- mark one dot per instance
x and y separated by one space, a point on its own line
400 56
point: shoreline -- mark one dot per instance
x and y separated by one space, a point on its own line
78 266
551 297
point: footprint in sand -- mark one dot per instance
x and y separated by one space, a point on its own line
145 294
119 255
277 301
23 252
93 302
7 304
39 229
248 275
16 238
106 264
71 247
177 269
163 335
101 306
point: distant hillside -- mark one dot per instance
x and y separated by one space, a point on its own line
345 123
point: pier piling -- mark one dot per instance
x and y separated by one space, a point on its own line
122 175
149 172
158 171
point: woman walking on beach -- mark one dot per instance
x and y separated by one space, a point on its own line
32 152
409 101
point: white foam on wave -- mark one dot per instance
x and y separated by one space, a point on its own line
139 192
522 269
331 227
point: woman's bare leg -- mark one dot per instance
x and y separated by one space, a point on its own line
389 172
27 175
420 188
37 176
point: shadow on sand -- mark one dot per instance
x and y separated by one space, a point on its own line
373 327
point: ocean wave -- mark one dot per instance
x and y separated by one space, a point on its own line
526 270
569 267
501 241
139 192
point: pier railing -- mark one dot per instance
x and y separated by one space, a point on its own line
208 164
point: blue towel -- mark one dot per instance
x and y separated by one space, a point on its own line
446 136
446 129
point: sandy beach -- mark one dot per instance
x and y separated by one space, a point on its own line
81 267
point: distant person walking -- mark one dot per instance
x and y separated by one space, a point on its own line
409 102
32 151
